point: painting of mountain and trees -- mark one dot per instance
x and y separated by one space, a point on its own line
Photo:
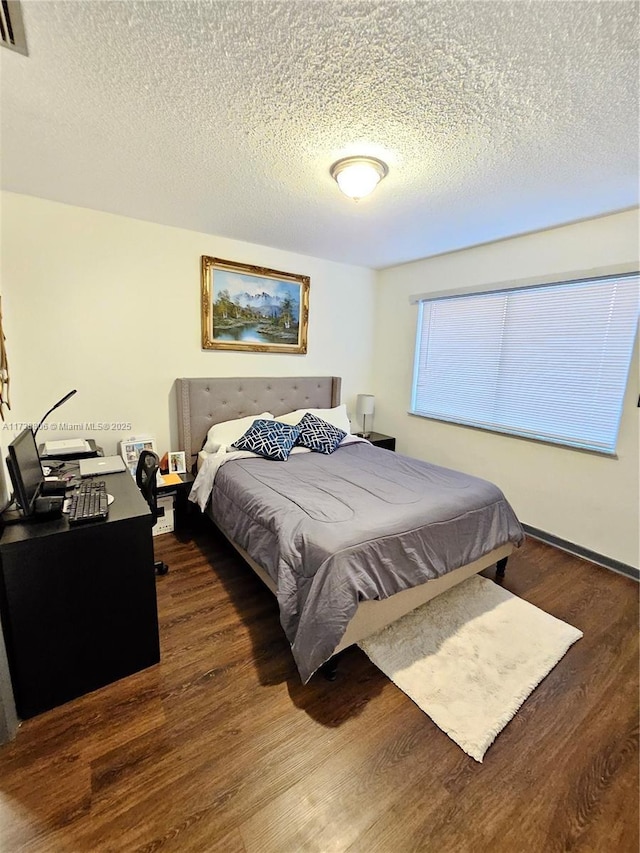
245 307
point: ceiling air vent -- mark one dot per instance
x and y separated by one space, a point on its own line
11 26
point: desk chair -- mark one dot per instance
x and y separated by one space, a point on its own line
146 473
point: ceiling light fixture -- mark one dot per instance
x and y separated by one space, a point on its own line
358 176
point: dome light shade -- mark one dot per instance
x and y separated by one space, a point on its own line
358 176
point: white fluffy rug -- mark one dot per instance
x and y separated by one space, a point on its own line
470 657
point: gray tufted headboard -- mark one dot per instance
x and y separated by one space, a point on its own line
204 402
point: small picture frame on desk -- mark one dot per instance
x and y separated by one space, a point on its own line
131 448
177 462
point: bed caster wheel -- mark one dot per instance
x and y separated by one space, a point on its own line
161 568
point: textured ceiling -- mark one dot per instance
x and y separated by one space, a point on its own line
224 117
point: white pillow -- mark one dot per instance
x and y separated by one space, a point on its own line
226 432
338 417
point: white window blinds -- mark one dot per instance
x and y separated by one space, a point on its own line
547 362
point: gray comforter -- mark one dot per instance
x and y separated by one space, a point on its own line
360 524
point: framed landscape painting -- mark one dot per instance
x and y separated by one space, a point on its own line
253 308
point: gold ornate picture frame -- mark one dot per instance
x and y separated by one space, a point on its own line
253 309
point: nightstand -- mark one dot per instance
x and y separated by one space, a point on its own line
180 493
387 442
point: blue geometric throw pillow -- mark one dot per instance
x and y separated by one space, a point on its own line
270 439
319 435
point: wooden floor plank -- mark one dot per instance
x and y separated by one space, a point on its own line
221 748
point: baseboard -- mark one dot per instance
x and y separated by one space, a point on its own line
579 551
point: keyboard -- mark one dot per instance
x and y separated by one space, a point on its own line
89 502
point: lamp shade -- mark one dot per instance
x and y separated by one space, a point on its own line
365 404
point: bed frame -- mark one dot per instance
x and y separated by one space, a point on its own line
204 402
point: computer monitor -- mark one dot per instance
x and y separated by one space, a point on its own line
25 470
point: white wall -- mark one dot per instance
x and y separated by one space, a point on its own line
587 499
111 306
8 718
75 278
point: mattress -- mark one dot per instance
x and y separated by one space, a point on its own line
358 525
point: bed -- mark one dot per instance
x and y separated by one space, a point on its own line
333 598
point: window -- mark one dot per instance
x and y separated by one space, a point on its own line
548 362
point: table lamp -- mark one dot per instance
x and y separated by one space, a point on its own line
365 405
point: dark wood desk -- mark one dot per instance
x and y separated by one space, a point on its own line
78 603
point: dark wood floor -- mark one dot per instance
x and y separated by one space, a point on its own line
220 748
